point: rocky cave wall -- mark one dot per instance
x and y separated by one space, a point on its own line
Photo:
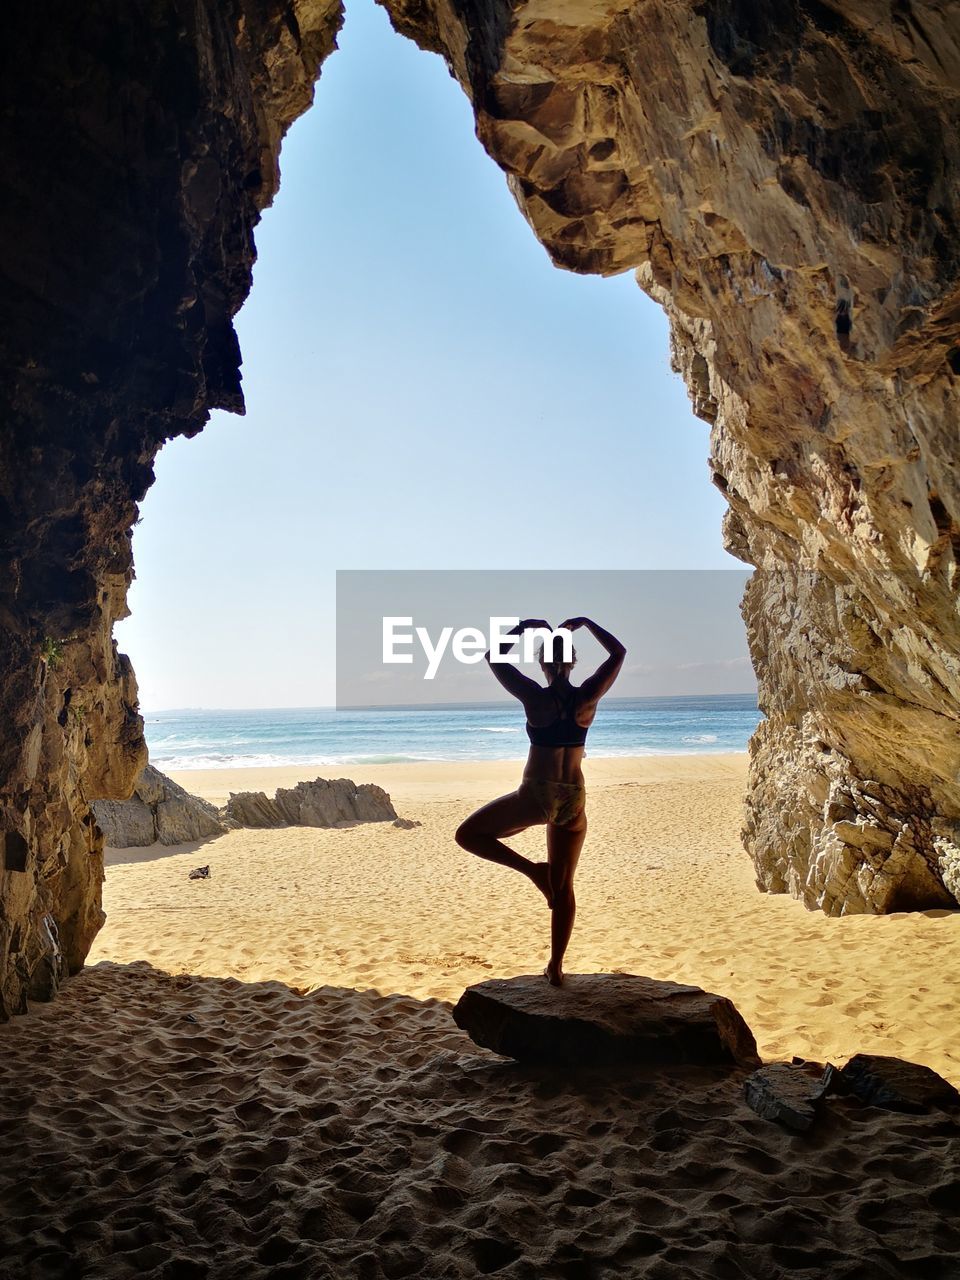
782 174
141 142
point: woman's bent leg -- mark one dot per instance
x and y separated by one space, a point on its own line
480 834
563 851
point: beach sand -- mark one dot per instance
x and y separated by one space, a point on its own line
258 1074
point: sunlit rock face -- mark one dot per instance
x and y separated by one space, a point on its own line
783 176
141 142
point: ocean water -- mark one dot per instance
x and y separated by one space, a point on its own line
200 739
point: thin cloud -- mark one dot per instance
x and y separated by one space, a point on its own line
640 669
717 664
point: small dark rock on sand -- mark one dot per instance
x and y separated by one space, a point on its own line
789 1093
897 1085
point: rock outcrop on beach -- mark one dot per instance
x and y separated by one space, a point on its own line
782 176
605 1019
336 802
162 811
158 811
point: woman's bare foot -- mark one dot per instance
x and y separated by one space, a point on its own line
541 878
554 974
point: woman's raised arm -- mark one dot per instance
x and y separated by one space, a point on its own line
515 681
595 686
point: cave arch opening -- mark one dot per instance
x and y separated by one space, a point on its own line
386 380
423 387
699 177
721 173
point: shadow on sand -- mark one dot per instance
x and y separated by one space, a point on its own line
153 852
176 1126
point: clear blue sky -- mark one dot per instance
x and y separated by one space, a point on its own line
424 390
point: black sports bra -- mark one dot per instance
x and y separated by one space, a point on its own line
563 732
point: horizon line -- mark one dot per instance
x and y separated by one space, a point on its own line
422 706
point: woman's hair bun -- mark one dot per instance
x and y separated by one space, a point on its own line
553 658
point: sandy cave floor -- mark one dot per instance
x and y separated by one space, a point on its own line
258 1074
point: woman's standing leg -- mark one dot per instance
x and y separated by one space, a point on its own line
563 854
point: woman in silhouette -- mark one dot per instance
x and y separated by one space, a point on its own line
552 790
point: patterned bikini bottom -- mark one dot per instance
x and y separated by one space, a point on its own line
561 803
